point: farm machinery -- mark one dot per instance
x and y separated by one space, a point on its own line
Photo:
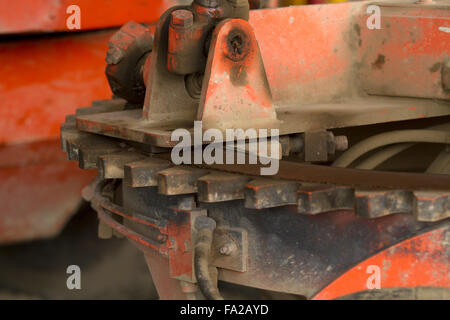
354 102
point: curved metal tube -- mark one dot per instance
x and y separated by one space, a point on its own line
205 227
392 137
382 156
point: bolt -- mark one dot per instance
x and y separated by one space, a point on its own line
227 249
182 18
341 143
237 45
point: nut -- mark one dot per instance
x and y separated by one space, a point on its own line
182 18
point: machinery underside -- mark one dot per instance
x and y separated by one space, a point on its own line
363 115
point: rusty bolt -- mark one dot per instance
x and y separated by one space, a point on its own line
227 249
341 143
182 18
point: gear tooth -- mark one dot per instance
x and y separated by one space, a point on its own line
179 180
111 166
72 140
269 193
431 206
144 173
318 198
102 106
93 146
380 203
219 187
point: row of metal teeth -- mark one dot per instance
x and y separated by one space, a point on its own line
115 160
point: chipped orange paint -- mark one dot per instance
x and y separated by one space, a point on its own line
404 57
421 261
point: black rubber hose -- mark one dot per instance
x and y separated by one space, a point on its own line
205 227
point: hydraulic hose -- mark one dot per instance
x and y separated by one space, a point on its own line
202 250
390 151
383 155
392 137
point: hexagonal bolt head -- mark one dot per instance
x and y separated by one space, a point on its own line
182 18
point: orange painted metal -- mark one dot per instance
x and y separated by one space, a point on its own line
421 261
45 79
39 190
305 51
221 100
32 16
405 56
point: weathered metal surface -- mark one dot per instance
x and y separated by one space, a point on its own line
100 106
130 125
421 261
181 242
269 193
179 180
111 166
379 203
296 171
282 245
404 57
144 173
287 251
406 194
314 199
243 98
316 146
432 206
217 187
296 79
126 59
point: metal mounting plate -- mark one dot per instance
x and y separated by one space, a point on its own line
130 125
237 260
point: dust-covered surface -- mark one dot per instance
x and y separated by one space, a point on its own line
110 269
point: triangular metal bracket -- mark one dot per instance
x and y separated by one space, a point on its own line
235 90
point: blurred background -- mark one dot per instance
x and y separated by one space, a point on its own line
46 73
